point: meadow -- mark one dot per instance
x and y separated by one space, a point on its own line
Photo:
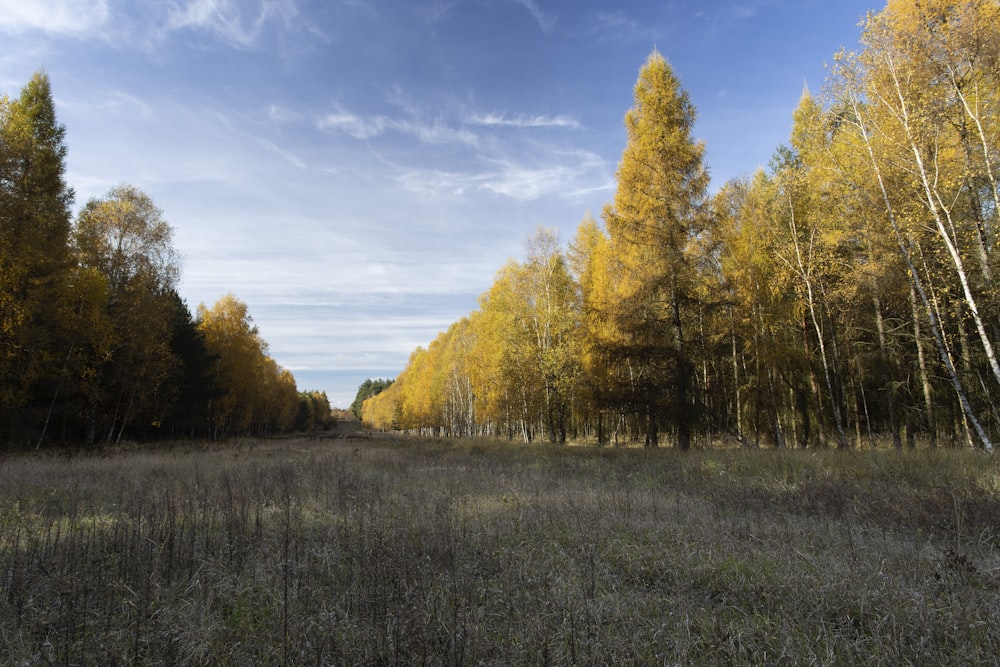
366 550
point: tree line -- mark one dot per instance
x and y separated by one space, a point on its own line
96 345
844 296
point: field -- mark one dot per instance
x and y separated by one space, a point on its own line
366 551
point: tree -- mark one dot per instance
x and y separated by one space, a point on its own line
314 411
194 389
657 226
921 96
588 261
523 357
35 216
370 387
234 340
256 395
124 237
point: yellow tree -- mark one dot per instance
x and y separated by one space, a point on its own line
381 411
34 251
232 337
656 227
764 347
505 373
922 97
421 408
524 361
551 304
124 237
452 386
602 387
276 399
809 247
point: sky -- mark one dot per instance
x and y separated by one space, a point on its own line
357 171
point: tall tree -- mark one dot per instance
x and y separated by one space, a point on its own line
124 237
588 260
656 227
192 375
35 216
256 396
921 95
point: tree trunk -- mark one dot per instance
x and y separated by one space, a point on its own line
917 285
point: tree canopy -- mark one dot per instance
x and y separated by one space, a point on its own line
96 345
844 296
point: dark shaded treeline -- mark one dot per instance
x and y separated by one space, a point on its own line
96 345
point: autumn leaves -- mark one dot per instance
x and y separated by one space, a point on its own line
846 296
95 343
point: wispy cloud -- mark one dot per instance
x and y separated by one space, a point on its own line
237 23
111 103
521 120
614 22
719 18
353 124
230 20
544 20
428 131
578 173
619 26
282 114
439 11
284 154
65 17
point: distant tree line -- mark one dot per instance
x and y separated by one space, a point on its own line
846 295
96 345
370 387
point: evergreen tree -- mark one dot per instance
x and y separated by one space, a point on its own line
368 389
192 379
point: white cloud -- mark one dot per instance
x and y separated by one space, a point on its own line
520 120
434 131
545 21
284 154
437 132
579 174
616 22
228 20
66 17
527 183
280 114
354 125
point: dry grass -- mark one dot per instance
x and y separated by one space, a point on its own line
362 552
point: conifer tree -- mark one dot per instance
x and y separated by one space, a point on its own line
35 206
656 227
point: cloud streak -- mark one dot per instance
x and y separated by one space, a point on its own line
58 17
544 20
511 179
228 20
363 128
523 121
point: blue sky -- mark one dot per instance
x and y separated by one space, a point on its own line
357 171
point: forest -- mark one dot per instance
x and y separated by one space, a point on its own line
843 297
96 345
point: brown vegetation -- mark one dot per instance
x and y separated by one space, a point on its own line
375 550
